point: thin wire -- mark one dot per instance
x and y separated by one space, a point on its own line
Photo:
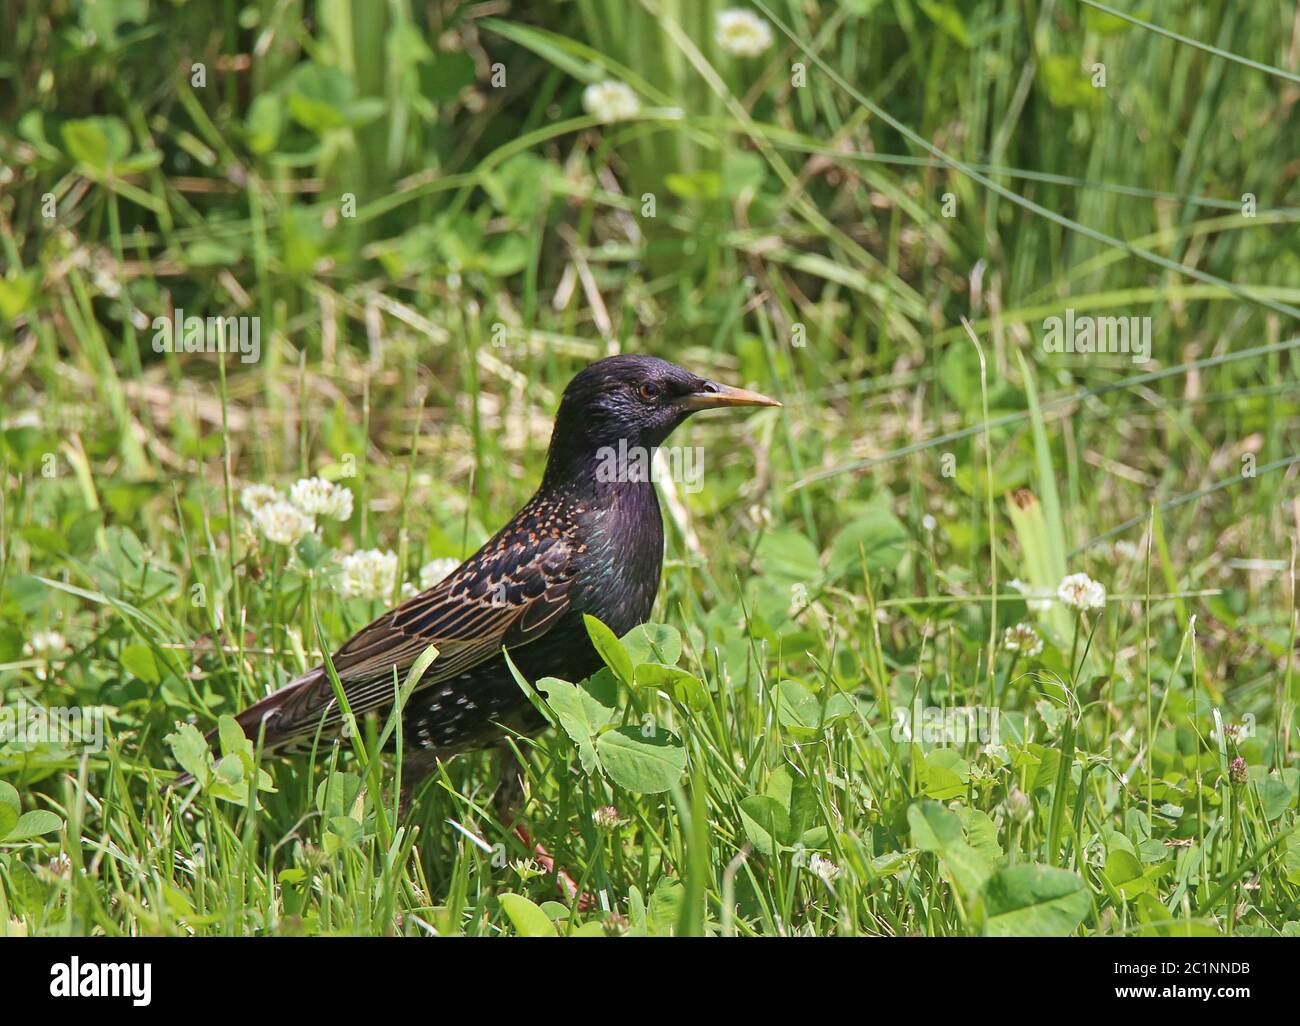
1218 486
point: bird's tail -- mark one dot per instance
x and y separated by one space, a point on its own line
259 718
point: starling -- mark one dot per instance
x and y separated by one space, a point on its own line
589 541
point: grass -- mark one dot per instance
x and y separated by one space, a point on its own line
436 235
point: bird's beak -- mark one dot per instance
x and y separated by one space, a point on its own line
711 396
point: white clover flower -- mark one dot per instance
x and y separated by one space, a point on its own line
322 498
26 419
1126 550
409 590
610 100
1079 591
1036 605
254 497
742 33
997 753
607 818
527 868
42 642
370 573
282 522
106 284
1018 806
929 523
434 571
1022 638
823 867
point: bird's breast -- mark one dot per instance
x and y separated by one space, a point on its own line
619 575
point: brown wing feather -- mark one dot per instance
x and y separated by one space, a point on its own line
508 594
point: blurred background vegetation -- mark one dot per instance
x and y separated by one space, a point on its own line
222 189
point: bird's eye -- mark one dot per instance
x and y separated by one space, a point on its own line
649 391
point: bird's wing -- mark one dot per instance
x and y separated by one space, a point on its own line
508 594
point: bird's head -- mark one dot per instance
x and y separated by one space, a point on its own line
634 399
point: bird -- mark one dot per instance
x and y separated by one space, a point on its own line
590 541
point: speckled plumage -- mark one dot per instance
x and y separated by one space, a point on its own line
581 544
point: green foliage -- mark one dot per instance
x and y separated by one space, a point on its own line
644 758
16 825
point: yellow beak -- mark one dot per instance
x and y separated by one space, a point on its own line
714 396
